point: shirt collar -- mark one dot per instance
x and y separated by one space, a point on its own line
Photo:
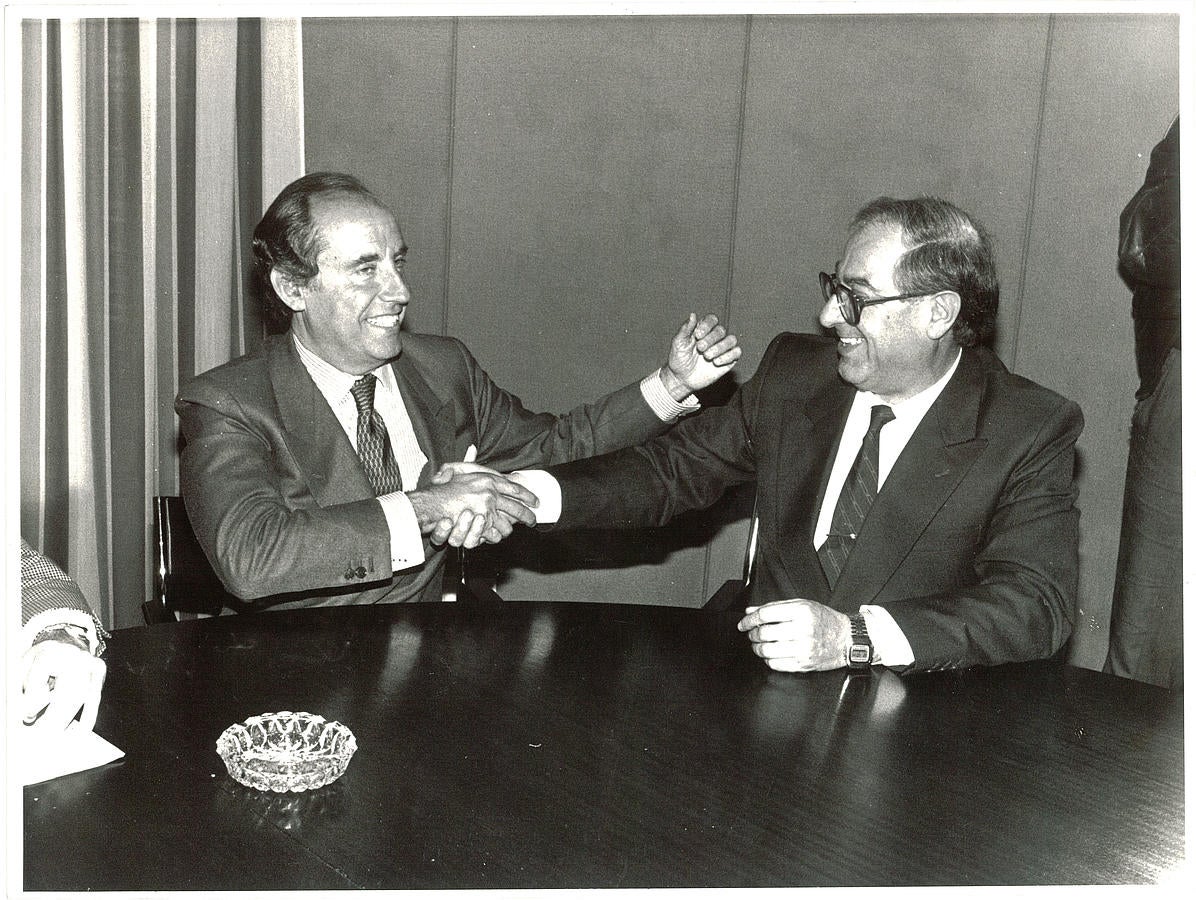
331 381
917 405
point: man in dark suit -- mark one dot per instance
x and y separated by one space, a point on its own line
309 469
938 530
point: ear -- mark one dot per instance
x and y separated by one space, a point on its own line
944 310
288 290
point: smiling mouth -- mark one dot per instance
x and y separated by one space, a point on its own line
391 321
849 341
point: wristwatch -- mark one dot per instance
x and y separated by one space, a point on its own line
859 654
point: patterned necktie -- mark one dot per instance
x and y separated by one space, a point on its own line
373 443
859 491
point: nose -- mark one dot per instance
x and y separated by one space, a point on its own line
830 315
394 288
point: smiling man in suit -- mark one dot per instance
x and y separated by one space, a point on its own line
309 465
916 501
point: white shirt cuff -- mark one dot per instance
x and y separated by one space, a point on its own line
889 645
657 396
406 542
546 488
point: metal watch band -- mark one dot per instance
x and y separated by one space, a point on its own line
859 654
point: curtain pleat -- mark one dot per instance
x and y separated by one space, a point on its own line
53 512
163 294
84 193
142 174
250 163
127 346
215 184
282 150
184 149
34 163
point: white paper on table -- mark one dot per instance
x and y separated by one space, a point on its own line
40 756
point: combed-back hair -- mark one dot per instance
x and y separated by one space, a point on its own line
288 240
948 251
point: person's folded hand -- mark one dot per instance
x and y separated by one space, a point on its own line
60 681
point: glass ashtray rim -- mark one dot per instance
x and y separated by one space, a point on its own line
320 753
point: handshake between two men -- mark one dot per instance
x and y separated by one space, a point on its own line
468 504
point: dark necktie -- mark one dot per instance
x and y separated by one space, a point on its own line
373 443
859 491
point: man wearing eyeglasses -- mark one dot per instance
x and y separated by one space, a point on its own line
915 500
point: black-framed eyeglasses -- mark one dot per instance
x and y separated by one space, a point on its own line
850 303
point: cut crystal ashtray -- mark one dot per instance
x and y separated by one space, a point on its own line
286 751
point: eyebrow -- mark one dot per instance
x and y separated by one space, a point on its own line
856 282
374 257
863 282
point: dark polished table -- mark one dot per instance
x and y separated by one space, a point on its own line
550 745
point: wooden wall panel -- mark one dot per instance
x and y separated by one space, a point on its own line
593 193
378 105
844 109
1111 96
572 187
592 209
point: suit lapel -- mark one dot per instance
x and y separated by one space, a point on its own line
939 454
311 431
432 418
810 430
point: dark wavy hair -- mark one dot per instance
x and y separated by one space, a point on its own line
288 240
948 251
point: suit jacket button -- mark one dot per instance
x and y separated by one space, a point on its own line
360 572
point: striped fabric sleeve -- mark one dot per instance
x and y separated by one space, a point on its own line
49 597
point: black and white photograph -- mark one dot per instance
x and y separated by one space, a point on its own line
619 446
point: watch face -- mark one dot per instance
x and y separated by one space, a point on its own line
861 654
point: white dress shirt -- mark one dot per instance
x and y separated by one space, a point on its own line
406 541
889 643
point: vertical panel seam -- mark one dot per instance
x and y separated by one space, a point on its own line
105 526
147 51
1027 230
173 235
450 163
736 166
300 105
44 281
735 178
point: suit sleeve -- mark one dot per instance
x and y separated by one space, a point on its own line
689 467
1021 605
512 437
259 541
45 587
49 596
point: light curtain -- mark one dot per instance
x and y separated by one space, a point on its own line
148 149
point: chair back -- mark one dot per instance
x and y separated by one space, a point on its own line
734 591
184 581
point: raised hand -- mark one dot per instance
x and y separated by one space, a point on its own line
700 353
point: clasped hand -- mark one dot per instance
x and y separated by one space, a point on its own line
798 635
467 504
58 682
